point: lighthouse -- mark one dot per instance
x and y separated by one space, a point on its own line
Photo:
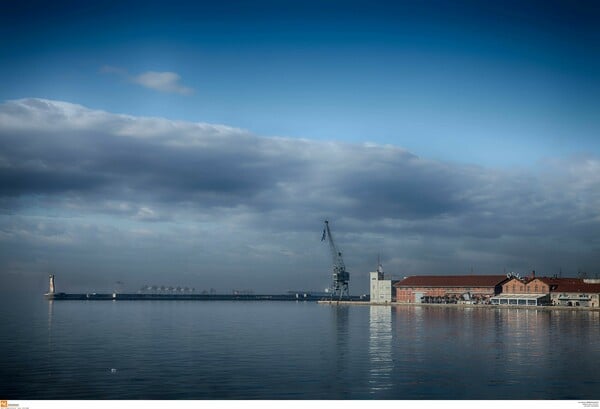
51 289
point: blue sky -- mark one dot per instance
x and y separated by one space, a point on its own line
503 85
448 137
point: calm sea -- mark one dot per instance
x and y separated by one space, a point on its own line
288 350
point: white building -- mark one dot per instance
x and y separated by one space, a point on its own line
381 289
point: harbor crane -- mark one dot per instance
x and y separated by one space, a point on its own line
340 275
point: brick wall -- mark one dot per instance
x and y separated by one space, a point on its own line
516 286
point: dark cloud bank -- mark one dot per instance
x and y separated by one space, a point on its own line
98 197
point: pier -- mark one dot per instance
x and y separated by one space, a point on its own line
192 297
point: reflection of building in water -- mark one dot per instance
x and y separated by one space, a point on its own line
49 329
380 348
50 313
522 336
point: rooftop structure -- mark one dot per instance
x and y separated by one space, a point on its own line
572 285
452 281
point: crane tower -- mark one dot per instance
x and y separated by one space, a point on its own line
340 275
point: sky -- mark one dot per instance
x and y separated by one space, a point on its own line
203 144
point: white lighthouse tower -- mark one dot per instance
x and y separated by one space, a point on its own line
51 288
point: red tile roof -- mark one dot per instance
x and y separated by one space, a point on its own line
452 281
570 285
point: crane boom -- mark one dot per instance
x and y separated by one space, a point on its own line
340 275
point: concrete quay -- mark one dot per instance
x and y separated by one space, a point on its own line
425 305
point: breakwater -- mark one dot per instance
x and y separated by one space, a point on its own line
192 297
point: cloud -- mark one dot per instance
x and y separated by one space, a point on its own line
248 209
165 81
162 81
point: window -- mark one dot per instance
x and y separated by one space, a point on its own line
535 288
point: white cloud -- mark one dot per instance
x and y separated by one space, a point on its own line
165 81
162 81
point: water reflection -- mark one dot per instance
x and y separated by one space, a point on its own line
527 334
50 315
523 355
380 349
308 351
340 316
342 354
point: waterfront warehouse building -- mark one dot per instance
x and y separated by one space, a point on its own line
575 292
381 290
532 291
478 289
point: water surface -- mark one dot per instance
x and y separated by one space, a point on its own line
289 350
